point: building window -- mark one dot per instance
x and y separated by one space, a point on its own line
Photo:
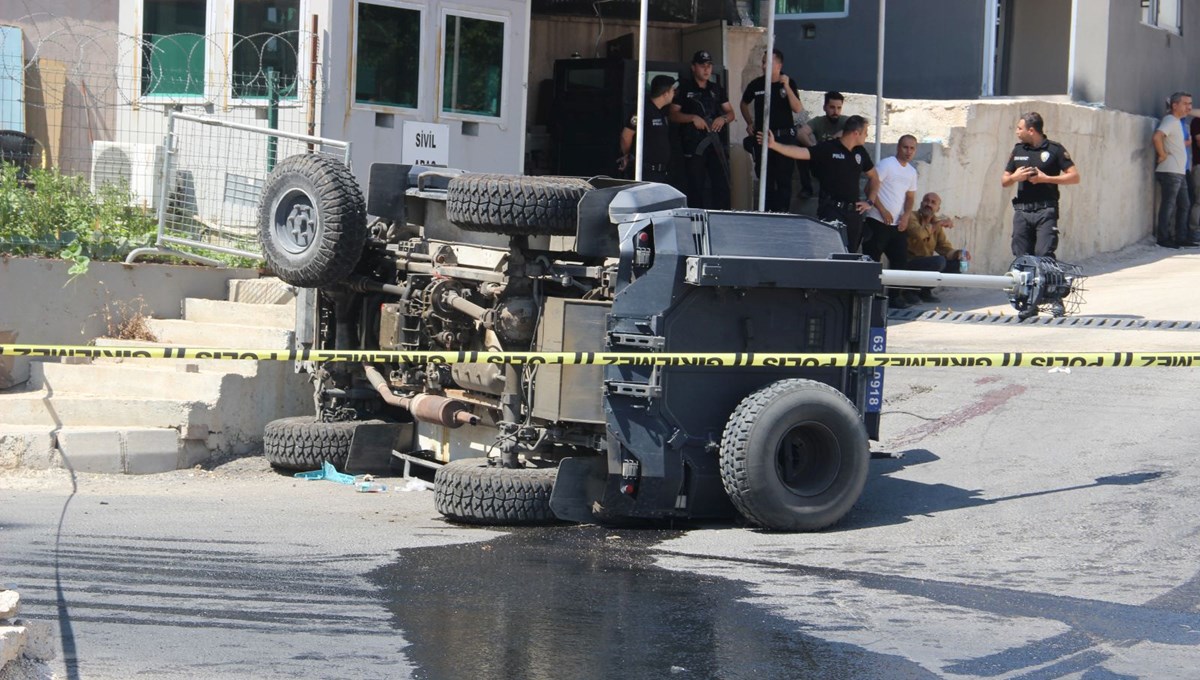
473 65
387 64
1163 14
813 9
266 39
173 47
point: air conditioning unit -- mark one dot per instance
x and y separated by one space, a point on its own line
137 166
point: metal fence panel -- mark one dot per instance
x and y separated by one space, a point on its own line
215 171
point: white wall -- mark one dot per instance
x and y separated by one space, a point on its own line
498 145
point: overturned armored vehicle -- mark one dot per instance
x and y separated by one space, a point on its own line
440 260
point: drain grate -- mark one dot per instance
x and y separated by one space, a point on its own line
1075 321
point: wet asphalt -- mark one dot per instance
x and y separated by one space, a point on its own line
572 602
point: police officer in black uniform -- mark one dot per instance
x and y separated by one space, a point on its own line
1039 166
839 164
702 108
656 149
785 101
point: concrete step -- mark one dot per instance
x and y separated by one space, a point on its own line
127 450
168 379
240 313
27 446
264 291
240 366
40 408
192 334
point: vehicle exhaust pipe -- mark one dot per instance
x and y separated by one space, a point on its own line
429 408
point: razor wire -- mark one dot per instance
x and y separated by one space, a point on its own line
87 101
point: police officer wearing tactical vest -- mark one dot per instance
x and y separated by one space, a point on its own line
656 149
785 101
702 108
839 164
1039 166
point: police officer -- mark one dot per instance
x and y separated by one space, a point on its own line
1039 166
785 101
702 108
838 164
656 149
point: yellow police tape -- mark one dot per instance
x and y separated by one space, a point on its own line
771 359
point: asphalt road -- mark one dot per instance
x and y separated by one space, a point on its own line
1031 523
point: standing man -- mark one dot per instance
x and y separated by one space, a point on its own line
702 108
887 219
1039 166
824 128
830 125
656 149
838 165
785 102
1172 149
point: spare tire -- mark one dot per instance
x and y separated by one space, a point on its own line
302 443
472 492
312 221
515 205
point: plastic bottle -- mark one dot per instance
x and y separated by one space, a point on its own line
964 261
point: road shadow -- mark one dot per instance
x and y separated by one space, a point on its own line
887 500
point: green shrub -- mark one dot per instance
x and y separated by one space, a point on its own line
55 215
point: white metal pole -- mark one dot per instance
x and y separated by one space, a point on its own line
765 123
879 81
988 81
640 111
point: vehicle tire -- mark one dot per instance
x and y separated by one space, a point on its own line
794 456
312 222
515 205
472 492
302 443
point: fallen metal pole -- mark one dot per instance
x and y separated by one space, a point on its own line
903 277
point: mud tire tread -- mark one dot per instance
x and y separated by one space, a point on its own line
343 220
742 434
301 443
515 205
471 492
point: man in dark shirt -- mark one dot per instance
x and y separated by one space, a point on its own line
656 149
785 101
1039 166
702 108
839 164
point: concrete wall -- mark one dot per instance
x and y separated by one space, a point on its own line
934 50
73 312
967 144
1038 37
1145 63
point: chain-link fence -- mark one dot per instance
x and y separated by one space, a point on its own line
80 99
215 173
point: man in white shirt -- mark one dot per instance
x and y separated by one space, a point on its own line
891 206
1172 142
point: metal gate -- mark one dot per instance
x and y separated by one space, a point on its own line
210 176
